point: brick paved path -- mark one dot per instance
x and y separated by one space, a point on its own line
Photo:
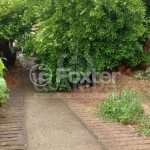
113 136
12 133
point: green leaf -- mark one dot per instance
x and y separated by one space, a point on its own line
3 85
1 68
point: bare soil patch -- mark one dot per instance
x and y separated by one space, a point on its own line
90 96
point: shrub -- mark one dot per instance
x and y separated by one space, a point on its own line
108 31
3 87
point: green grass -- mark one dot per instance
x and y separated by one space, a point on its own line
147 73
125 108
144 127
139 75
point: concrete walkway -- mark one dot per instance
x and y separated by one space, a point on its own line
51 125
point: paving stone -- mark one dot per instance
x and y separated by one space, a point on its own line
113 136
12 133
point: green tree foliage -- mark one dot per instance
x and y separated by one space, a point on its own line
14 20
109 31
147 2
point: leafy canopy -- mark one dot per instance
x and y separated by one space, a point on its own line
108 31
13 19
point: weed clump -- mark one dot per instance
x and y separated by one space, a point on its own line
125 107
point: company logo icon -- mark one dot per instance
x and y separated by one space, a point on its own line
40 75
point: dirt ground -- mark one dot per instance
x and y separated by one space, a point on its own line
12 75
90 96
